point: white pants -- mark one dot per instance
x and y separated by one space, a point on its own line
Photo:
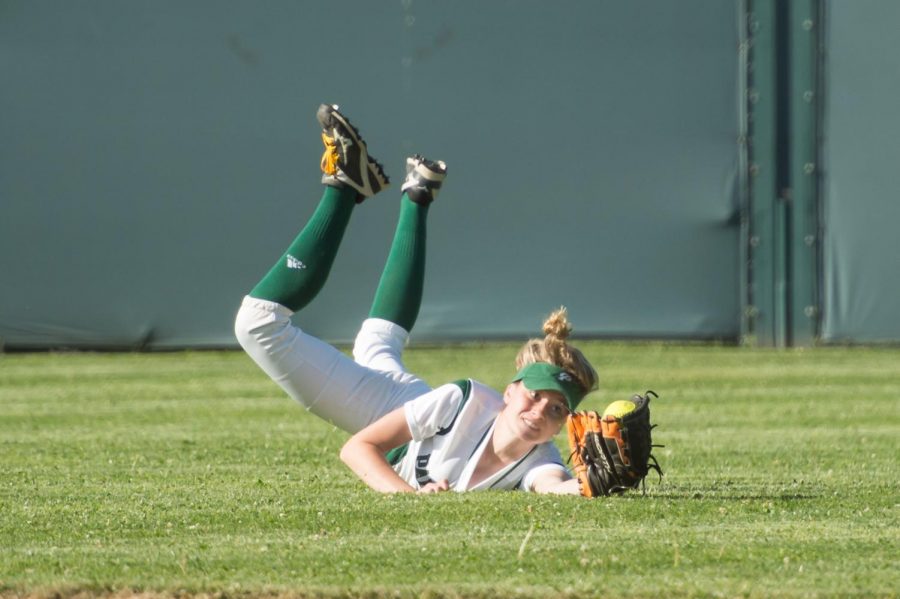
351 394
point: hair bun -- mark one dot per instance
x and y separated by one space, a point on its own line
554 349
557 324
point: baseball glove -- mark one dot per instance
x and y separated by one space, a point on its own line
611 453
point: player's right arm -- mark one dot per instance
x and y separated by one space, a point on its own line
364 453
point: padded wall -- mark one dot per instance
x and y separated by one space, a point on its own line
156 157
861 154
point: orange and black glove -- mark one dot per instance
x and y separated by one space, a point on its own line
611 453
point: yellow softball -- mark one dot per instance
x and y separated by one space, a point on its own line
617 409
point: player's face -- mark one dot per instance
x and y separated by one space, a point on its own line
536 416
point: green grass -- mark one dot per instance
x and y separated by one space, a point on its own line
183 473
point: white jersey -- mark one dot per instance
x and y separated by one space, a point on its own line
450 427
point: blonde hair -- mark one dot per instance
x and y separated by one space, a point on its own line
554 349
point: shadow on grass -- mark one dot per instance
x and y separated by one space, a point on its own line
740 496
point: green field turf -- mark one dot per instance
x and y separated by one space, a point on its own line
183 473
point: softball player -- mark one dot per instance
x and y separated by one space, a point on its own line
406 436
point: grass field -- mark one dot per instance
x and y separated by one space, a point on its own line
191 473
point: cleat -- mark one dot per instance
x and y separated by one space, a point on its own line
423 179
346 160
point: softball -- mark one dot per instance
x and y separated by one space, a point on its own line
617 409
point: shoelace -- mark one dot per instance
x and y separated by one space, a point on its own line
330 157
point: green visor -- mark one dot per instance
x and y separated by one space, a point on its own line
542 376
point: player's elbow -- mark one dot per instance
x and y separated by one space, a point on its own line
349 451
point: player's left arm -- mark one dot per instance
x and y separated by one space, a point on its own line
557 482
364 452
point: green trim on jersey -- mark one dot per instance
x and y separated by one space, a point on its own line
396 455
465 385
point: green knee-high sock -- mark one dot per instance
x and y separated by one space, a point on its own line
399 293
301 272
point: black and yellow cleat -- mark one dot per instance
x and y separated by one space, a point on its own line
346 160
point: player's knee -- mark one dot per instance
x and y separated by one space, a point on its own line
239 324
243 326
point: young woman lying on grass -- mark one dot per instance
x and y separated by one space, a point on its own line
407 437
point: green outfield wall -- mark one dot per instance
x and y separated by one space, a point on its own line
861 183
157 157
